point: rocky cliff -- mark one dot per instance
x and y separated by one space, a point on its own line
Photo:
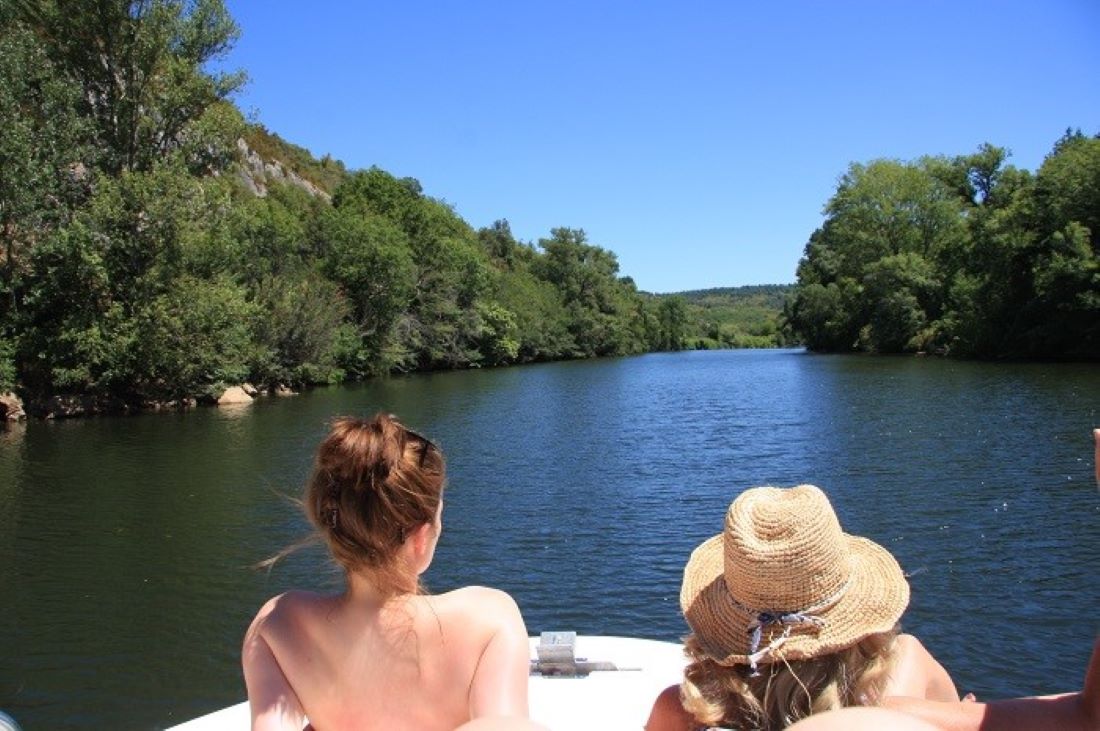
258 173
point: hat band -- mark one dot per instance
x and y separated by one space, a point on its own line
785 619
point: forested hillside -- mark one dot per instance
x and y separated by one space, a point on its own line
966 255
733 317
157 248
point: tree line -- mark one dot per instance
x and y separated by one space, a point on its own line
965 255
138 268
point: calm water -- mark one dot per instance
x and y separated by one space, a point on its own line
580 488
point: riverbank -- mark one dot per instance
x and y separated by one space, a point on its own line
13 409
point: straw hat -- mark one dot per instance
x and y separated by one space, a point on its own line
783 581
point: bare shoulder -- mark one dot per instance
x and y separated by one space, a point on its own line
482 602
668 700
668 713
283 608
918 674
908 649
289 602
909 645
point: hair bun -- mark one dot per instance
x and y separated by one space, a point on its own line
387 447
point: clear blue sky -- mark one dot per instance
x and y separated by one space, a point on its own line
697 140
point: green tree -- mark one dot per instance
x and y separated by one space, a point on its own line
502 247
192 340
150 222
143 67
973 178
1063 315
268 238
872 277
301 334
452 276
989 277
376 192
41 151
72 337
542 322
906 295
498 339
585 277
1068 186
369 257
887 208
672 323
441 327
824 317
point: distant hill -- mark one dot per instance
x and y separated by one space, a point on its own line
735 317
771 295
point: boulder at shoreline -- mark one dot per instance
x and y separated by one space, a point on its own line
11 407
234 395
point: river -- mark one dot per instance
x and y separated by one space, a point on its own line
126 543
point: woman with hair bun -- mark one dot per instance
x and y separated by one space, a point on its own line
382 654
789 617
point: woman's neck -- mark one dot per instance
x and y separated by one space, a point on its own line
362 591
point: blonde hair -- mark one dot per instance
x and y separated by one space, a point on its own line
784 691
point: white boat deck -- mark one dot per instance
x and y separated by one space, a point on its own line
601 700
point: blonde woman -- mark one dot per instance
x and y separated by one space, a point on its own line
381 654
790 616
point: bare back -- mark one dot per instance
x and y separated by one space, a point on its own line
416 662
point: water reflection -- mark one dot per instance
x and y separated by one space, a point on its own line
234 411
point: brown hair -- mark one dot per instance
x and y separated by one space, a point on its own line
373 483
785 691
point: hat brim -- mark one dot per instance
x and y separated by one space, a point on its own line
873 602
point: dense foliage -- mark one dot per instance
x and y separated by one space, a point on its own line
140 267
969 256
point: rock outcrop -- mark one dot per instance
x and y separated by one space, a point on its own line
258 173
234 395
11 407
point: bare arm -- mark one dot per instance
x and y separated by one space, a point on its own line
1066 712
274 704
1096 455
499 685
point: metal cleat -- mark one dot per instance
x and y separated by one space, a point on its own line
556 653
